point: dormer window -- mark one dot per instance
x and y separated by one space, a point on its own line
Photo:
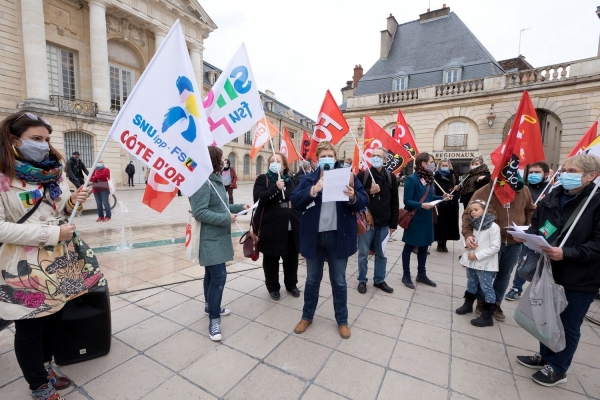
452 75
400 82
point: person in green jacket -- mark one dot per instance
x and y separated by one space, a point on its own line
216 249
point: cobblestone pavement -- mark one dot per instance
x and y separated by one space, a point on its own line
408 344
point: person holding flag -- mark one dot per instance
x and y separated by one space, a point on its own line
478 177
445 220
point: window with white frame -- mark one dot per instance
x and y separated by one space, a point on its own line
62 67
259 165
456 136
231 159
246 164
400 82
121 84
81 142
247 138
452 75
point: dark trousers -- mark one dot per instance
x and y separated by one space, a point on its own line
35 339
130 180
229 191
290 268
572 318
421 260
214 284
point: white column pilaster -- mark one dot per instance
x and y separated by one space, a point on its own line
197 63
99 55
159 36
34 50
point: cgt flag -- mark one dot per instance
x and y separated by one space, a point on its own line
233 104
159 192
585 141
162 122
331 125
287 147
262 135
375 136
305 146
523 146
403 136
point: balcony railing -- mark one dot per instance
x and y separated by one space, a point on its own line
454 88
76 106
550 73
398 96
455 142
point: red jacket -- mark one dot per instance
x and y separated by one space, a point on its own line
102 175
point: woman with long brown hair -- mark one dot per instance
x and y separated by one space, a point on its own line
35 283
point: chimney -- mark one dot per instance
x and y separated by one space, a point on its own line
270 94
358 73
435 14
387 36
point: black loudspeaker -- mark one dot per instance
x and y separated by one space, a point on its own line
85 328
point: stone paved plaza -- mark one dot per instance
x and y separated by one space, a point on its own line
405 345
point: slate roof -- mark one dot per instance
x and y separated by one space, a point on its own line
422 50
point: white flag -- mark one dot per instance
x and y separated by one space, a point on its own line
233 104
162 122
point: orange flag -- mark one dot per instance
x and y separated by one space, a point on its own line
403 136
523 146
159 192
262 135
287 146
376 136
356 160
331 125
585 141
305 145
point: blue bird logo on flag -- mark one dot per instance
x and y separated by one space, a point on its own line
188 108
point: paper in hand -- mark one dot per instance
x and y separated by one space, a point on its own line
435 202
534 242
334 184
243 212
385 242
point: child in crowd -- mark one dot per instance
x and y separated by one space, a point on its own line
481 263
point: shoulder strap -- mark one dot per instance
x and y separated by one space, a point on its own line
365 178
30 212
426 193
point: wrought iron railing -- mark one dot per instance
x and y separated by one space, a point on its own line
455 142
76 106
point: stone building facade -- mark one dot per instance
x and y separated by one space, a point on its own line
462 118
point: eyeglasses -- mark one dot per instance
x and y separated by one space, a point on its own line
32 117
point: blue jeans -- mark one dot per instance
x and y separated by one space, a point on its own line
372 238
214 283
478 278
102 202
421 260
572 318
507 259
518 282
326 246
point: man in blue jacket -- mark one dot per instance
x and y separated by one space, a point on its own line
327 230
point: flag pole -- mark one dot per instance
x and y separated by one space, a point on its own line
461 182
362 155
272 147
548 185
223 201
487 204
580 213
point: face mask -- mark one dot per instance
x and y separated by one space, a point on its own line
571 180
34 151
275 167
346 165
377 162
534 178
326 161
431 166
474 166
99 166
445 169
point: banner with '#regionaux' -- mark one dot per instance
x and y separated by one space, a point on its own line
163 123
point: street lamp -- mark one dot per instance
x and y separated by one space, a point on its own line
491 116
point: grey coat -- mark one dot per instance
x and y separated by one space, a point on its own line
215 231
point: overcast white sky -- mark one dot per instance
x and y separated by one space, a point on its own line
300 49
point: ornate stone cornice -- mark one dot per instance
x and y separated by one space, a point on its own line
129 31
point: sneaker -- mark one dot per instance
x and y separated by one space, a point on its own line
224 311
106 219
498 314
535 361
548 377
513 295
101 219
214 331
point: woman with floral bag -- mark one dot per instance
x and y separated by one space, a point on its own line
43 262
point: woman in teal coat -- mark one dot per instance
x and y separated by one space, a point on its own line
420 231
216 249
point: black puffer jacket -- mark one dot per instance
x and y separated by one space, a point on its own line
383 205
580 268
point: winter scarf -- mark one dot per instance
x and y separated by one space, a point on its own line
443 173
425 174
488 220
471 179
48 173
273 177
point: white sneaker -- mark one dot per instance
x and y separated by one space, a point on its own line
224 311
214 331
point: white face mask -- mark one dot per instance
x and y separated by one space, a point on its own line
275 167
33 150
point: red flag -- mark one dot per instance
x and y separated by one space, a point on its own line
262 135
585 141
375 137
331 125
523 146
287 146
403 136
305 145
356 160
159 192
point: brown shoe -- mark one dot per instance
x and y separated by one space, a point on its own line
479 307
57 381
302 325
344 331
498 314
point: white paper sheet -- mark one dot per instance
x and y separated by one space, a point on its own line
534 242
435 202
334 184
517 228
385 242
243 212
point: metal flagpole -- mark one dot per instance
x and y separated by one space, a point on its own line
461 182
548 185
580 213
222 201
272 147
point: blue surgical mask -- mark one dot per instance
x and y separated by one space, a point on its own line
326 161
34 151
431 166
377 162
535 178
99 166
346 165
445 169
275 167
571 180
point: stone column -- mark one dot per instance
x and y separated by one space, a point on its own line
197 64
99 55
159 36
34 51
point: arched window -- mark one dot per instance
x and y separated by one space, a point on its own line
231 157
246 164
83 143
259 165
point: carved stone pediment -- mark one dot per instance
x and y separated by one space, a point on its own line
129 31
